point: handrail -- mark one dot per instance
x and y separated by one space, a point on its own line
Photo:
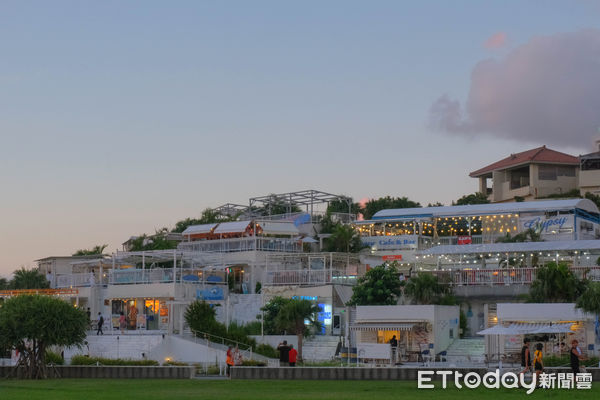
223 339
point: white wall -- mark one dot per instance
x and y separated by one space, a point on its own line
178 349
395 313
542 312
446 318
142 290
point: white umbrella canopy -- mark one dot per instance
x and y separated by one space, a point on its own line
499 330
556 328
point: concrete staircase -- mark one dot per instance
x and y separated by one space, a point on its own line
127 346
319 348
466 351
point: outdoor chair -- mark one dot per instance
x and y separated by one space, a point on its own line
442 356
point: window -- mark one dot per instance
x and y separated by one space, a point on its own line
547 173
565 171
519 177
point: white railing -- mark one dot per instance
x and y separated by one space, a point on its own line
508 276
308 277
243 244
142 276
74 280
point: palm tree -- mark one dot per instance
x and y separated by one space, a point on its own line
96 250
425 289
344 238
28 279
556 284
292 316
589 301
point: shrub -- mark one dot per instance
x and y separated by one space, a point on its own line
54 358
266 350
85 360
565 359
175 363
253 363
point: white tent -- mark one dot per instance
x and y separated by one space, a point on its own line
499 330
556 328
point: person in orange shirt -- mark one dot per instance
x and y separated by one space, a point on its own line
293 354
229 361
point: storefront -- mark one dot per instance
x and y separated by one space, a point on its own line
141 313
555 325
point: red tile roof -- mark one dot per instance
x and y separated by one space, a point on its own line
537 155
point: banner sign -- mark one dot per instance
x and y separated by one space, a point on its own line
214 293
465 240
400 242
548 225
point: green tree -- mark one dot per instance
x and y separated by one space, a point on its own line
556 284
96 250
293 315
436 204
209 216
344 239
28 279
383 203
4 284
31 324
270 312
201 317
589 301
379 286
158 241
342 206
426 289
530 235
475 198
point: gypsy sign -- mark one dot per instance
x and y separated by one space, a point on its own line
547 225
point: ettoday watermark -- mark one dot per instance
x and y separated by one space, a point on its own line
509 380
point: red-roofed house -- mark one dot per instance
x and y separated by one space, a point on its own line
530 174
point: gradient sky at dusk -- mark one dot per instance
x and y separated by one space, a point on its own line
117 118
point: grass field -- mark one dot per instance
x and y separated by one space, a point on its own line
108 389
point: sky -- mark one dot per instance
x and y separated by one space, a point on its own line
118 118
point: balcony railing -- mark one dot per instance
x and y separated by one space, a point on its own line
306 277
75 280
510 276
243 244
142 276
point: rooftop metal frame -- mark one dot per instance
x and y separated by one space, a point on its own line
307 198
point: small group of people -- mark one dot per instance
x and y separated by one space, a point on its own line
576 355
287 354
234 357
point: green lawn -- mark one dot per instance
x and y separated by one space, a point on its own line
118 389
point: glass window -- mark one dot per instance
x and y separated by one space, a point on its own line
547 173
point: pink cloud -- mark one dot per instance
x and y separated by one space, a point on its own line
544 91
495 41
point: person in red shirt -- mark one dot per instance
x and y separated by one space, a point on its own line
293 354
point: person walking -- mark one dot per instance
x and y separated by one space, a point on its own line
525 357
122 322
100 323
538 362
292 356
576 356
